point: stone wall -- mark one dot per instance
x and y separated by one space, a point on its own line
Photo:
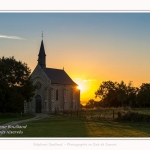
55 97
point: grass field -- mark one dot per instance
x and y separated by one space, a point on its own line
9 117
67 126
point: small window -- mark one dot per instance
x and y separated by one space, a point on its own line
57 95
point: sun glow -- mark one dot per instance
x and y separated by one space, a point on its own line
87 88
80 87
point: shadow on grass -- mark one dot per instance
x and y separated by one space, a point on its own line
56 126
63 126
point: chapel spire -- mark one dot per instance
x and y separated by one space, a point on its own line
42 55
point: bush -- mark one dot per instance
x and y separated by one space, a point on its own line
133 116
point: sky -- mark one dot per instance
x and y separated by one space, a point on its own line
92 47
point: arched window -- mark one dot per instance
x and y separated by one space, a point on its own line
56 95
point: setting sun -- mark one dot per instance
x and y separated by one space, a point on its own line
87 88
80 87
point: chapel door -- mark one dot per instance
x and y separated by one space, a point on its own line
38 104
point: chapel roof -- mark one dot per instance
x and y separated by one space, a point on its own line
42 50
58 76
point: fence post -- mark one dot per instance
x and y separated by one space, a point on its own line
113 114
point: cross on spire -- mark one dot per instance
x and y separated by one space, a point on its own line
42 35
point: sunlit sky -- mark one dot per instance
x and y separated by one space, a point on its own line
92 47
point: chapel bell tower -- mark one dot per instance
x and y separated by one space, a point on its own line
42 55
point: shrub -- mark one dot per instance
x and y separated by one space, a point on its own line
132 116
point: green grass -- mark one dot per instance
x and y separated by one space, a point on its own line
66 126
142 111
89 123
9 117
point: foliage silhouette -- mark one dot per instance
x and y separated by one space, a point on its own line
114 94
15 85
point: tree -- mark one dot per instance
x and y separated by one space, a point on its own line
143 96
15 85
131 95
114 94
107 93
90 103
121 93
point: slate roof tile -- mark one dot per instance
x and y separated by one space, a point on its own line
58 76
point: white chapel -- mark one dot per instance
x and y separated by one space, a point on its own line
55 89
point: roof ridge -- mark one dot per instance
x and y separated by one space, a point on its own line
54 68
58 76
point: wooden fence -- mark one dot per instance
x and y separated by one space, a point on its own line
90 113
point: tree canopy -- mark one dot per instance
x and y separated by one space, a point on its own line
114 94
143 96
15 85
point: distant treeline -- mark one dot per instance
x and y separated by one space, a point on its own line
114 94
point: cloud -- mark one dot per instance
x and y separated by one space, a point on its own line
85 80
89 80
11 37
